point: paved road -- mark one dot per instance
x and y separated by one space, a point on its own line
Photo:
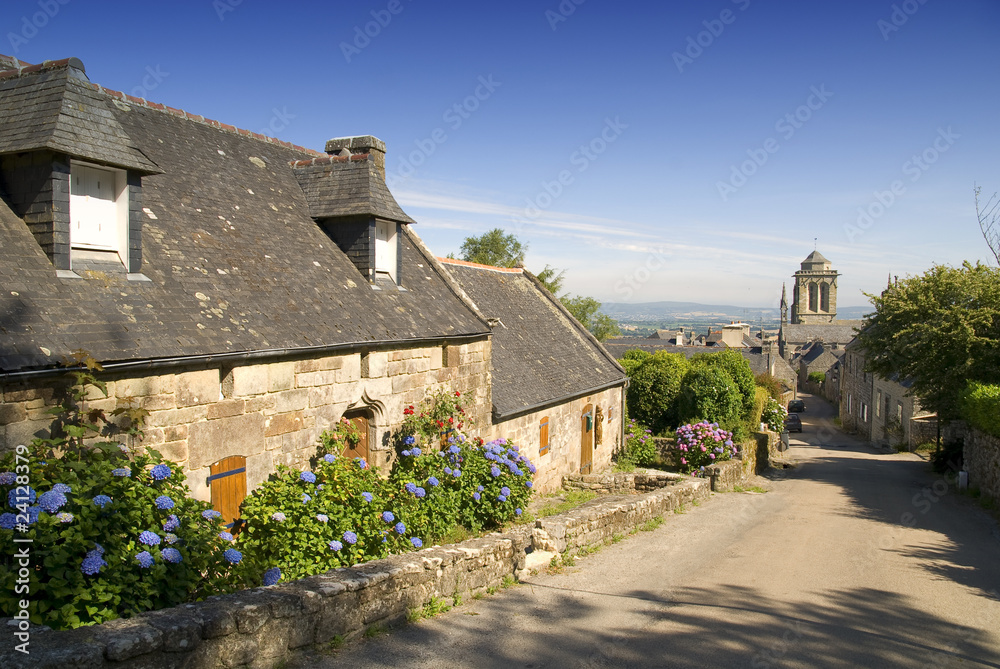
852 559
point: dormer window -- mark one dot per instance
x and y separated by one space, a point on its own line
98 210
385 249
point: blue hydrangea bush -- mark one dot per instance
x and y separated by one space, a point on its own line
113 530
308 522
341 513
702 444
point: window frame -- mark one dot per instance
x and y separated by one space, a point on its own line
118 241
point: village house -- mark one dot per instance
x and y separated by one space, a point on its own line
881 411
247 292
557 392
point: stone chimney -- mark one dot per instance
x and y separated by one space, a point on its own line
359 145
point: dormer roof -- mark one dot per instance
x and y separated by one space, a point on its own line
342 186
53 106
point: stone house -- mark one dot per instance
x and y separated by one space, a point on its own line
556 390
882 411
822 358
247 292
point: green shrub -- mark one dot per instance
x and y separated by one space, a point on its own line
343 513
654 388
308 522
738 369
770 384
631 360
640 447
702 444
708 393
774 415
113 529
817 377
980 405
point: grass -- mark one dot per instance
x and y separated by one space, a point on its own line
752 488
455 535
435 607
566 501
616 537
374 631
623 466
336 642
680 509
651 524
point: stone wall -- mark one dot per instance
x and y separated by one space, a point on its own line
619 483
261 627
982 460
565 435
272 412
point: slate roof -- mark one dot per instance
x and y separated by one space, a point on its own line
839 332
541 354
55 107
235 260
815 257
335 186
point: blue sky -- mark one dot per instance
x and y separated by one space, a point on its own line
653 151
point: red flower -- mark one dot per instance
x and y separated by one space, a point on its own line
458 394
440 424
451 420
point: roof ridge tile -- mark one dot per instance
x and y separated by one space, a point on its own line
466 263
197 118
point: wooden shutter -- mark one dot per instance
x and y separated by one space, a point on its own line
228 482
543 436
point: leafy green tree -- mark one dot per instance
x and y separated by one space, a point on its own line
552 279
941 329
654 388
632 359
494 248
709 393
587 311
738 369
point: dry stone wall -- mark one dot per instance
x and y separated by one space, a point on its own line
274 412
981 455
262 627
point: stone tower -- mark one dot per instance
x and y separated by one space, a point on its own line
814 298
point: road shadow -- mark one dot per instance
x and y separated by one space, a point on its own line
901 492
546 625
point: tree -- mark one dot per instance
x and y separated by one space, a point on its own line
632 358
586 310
653 389
708 393
738 369
989 222
553 282
494 248
940 330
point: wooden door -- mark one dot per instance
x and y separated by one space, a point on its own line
363 425
587 439
228 482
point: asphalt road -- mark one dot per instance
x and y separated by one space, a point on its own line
854 558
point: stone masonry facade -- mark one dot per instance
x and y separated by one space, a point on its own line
565 435
271 412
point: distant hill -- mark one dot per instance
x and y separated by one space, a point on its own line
667 311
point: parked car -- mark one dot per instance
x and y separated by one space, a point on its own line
796 406
793 423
